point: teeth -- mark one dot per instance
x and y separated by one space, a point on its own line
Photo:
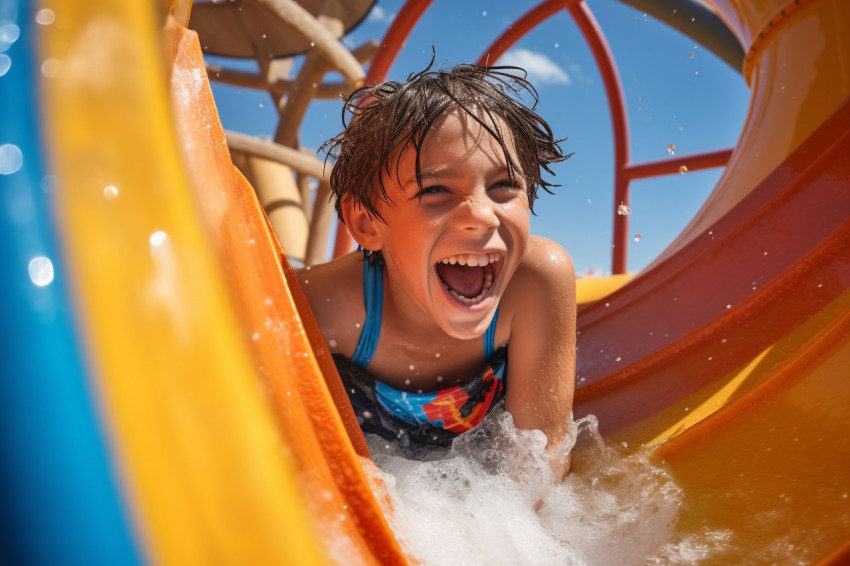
479 260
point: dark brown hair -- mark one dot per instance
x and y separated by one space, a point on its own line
389 116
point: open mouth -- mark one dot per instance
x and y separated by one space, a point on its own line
468 277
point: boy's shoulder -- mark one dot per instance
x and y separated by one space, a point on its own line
546 261
335 293
544 275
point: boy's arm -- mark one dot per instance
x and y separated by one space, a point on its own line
541 352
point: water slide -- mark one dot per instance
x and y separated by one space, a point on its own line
167 398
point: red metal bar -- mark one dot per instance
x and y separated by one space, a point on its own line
693 162
613 89
522 26
378 69
616 102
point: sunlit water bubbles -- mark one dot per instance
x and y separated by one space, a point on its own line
683 169
11 159
40 270
45 16
671 149
480 502
158 238
9 34
623 209
637 237
110 192
5 64
158 242
50 68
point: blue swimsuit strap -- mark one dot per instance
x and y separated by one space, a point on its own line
373 301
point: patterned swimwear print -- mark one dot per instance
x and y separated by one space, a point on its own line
418 422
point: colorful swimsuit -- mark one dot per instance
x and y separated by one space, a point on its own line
416 421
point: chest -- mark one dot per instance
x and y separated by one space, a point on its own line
418 365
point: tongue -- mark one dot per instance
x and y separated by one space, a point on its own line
464 280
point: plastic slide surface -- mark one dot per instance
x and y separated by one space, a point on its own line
167 397
730 354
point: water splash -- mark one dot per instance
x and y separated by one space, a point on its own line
492 499
623 209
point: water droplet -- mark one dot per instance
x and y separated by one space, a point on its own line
45 16
637 237
312 44
671 149
333 343
110 192
557 45
407 382
265 36
158 238
411 367
9 34
11 159
728 306
623 209
48 183
5 64
40 270
255 336
261 104
50 68
437 355
683 169
691 55
484 13
440 378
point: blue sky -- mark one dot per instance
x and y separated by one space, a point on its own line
677 93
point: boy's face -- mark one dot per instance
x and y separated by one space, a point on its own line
451 248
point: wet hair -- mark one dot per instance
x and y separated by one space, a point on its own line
390 116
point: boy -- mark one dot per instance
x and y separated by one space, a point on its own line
452 305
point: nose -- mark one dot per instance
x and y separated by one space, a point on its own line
477 214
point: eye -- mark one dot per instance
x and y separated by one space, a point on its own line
505 184
506 189
432 190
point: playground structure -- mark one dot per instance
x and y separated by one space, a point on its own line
188 407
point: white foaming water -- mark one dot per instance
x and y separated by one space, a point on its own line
480 503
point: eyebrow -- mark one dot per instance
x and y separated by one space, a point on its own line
430 174
444 173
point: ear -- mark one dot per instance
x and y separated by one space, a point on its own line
364 227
